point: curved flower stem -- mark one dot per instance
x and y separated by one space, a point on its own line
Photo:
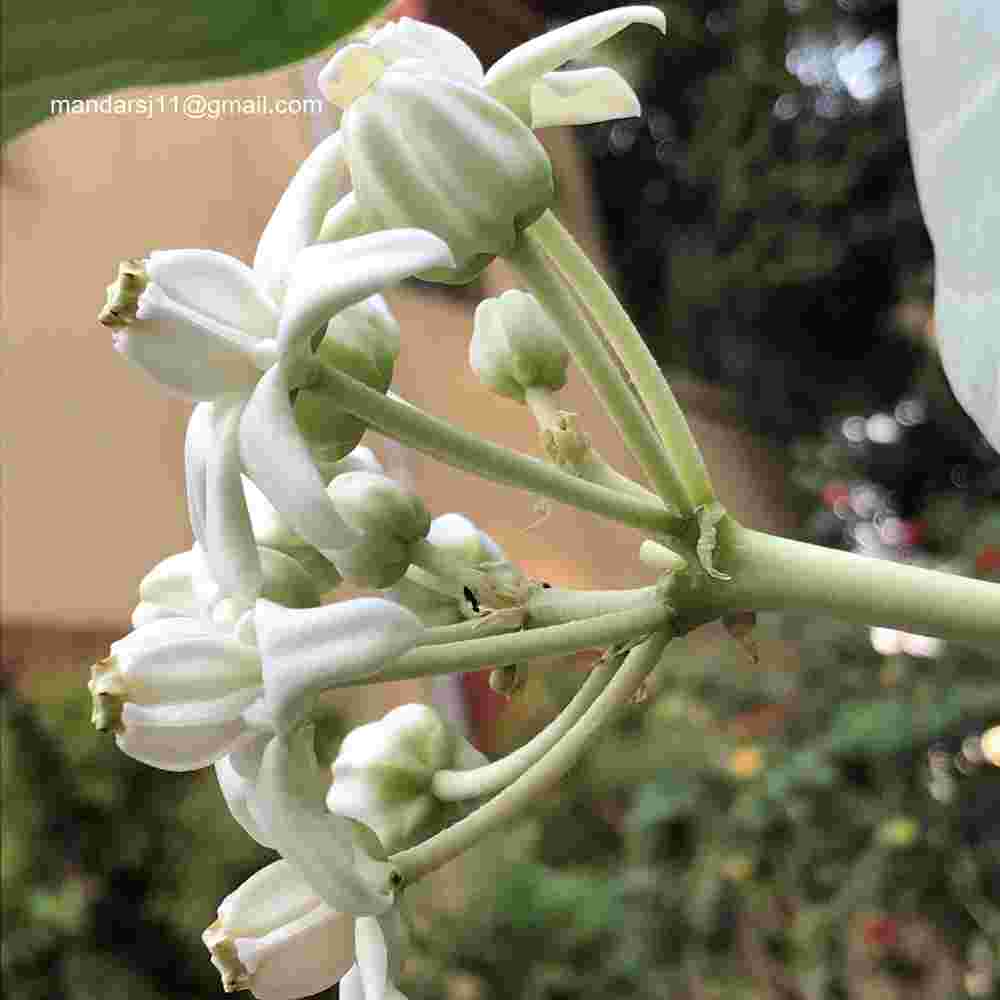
454 785
531 259
778 573
545 607
454 446
552 240
555 605
525 790
504 650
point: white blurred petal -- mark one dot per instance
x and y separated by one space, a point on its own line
332 276
335 855
217 285
581 97
510 79
319 182
950 60
279 462
308 650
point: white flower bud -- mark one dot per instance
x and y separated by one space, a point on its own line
517 346
174 693
383 773
375 504
430 150
389 517
275 937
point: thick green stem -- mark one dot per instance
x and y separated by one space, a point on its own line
778 573
456 447
687 464
597 364
523 792
453 786
505 650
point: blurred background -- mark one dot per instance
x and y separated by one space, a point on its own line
822 821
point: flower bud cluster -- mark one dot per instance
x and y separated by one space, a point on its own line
232 644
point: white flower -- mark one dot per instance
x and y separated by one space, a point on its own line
179 693
275 937
949 55
203 325
517 346
383 773
174 693
432 141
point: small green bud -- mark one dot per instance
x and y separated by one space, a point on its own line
377 505
517 346
362 341
383 775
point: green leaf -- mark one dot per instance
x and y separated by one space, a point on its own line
65 49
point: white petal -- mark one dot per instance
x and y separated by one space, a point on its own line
332 853
447 53
319 183
162 739
343 222
351 987
309 650
178 660
198 443
332 276
191 355
300 959
581 97
372 956
239 787
510 79
278 460
195 714
276 894
215 284
229 544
